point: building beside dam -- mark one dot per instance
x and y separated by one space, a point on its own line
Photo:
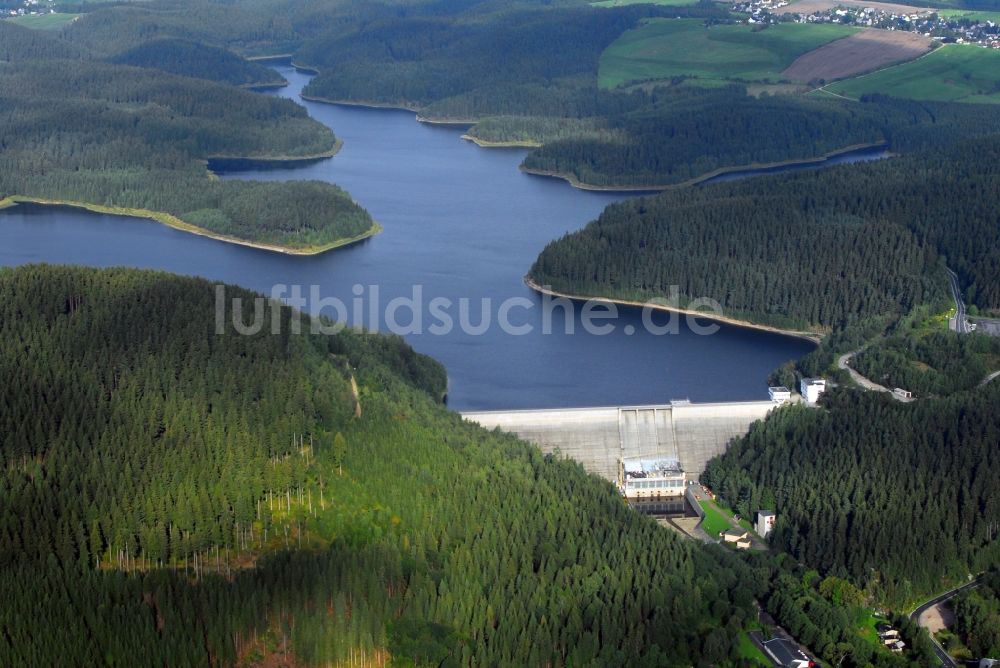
651 478
602 439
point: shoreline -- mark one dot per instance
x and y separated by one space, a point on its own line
447 122
264 86
338 144
349 103
813 337
485 143
707 176
172 221
397 106
276 56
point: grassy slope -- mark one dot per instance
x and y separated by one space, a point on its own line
952 73
667 48
715 521
971 15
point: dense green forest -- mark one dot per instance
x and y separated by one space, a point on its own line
828 248
936 363
194 59
81 130
474 63
977 618
835 618
169 496
688 132
527 73
175 496
898 498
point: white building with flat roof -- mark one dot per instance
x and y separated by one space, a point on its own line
651 478
779 394
811 388
765 522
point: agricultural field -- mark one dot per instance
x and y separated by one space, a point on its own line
662 3
972 15
812 6
666 48
861 52
44 21
951 73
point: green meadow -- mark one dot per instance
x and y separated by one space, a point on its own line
715 521
972 15
666 48
43 21
953 73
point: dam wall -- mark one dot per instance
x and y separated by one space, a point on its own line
599 438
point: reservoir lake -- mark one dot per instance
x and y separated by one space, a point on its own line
460 222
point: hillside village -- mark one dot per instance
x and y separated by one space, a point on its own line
958 30
26 8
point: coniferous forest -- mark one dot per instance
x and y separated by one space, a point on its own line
898 498
175 496
76 129
170 495
977 618
826 249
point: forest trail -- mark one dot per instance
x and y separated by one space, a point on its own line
843 363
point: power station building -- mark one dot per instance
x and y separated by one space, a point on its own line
650 478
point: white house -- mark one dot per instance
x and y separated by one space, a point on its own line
811 388
765 522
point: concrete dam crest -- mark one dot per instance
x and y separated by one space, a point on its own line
600 438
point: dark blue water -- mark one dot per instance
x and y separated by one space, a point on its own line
861 155
461 222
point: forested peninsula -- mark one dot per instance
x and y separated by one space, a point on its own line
81 131
829 249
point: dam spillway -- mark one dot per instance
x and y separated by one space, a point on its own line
599 438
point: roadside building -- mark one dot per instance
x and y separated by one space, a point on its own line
734 535
890 638
765 522
811 389
786 653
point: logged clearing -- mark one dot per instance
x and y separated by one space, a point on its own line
937 618
812 6
861 52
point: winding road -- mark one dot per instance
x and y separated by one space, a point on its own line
960 323
946 660
842 363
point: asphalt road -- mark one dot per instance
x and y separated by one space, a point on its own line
961 322
946 660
